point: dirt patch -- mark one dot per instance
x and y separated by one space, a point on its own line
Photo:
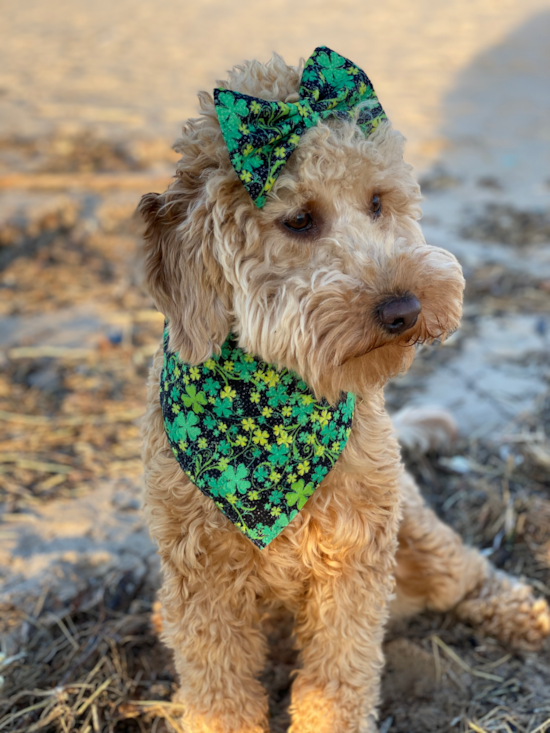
507 225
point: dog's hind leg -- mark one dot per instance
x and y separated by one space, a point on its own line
436 571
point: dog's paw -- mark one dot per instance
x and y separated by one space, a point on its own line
420 429
506 609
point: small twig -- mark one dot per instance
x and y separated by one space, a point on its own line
19 713
437 661
461 663
475 727
65 630
51 352
97 182
106 418
34 465
92 697
543 727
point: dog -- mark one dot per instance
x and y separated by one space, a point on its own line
330 279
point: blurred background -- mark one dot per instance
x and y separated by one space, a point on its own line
92 96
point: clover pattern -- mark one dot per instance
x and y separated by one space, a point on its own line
251 437
261 135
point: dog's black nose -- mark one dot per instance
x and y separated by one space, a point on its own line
399 314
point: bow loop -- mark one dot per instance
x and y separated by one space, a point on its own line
261 135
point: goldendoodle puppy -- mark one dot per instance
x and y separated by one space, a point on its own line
289 263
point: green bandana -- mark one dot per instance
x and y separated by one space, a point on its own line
261 136
251 437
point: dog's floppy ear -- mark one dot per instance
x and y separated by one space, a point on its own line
182 275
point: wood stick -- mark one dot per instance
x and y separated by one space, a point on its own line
97 182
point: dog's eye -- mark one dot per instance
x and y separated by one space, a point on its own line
376 206
300 222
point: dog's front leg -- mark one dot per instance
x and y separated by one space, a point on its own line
340 630
210 620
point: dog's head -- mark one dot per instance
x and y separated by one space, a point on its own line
331 278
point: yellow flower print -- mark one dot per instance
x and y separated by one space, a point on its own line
256 107
182 445
255 397
222 427
248 424
177 372
246 176
175 409
248 358
244 129
210 364
307 399
212 400
186 379
241 440
291 478
324 418
310 439
232 499
287 411
280 152
260 437
303 467
284 438
294 139
203 442
275 477
271 378
270 183
362 88
267 412
194 373
275 511
253 495
228 394
336 446
352 70
223 463
228 366
314 416
304 111
320 450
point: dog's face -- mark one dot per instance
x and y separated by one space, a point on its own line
332 278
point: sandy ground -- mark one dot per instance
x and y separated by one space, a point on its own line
92 89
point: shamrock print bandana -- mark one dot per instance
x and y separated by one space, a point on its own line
261 136
251 437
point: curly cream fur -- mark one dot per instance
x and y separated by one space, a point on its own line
214 263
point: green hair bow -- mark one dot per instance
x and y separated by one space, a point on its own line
261 136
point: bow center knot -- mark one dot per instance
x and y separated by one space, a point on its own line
261 135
